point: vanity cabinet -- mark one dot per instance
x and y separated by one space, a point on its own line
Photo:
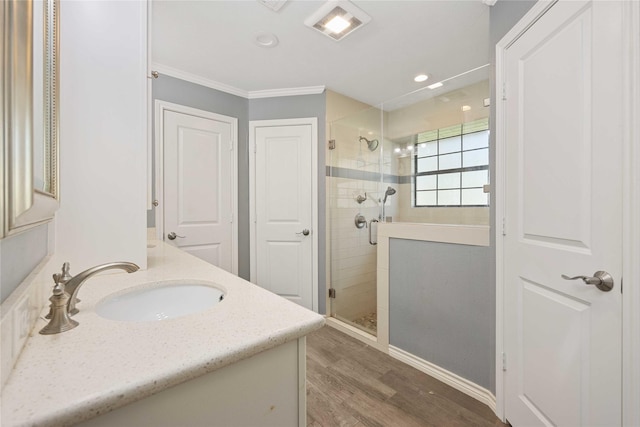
267 389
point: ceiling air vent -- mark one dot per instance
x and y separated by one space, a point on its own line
274 5
337 19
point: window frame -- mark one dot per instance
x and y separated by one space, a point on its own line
439 171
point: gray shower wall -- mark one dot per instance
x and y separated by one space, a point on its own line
477 277
441 306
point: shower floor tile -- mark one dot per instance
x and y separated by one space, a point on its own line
369 321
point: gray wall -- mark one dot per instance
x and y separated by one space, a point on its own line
181 92
193 95
19 255
290 107
417 333
440 306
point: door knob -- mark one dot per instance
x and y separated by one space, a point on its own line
602 280
304 232
172 236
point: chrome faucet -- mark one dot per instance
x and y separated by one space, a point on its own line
72 286
65 292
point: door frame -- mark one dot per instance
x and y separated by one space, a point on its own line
162 106
253 124
630 216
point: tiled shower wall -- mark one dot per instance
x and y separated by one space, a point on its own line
353 258
354 170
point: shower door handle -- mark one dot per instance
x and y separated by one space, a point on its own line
371 242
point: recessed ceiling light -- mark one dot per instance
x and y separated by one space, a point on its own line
466 108
337 19
435 85
264 39
420 78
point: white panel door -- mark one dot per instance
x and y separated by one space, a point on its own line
283 209
198 186
563 213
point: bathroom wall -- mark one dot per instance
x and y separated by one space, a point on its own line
193 95
441 306
182 92
103 145
291 107
19 255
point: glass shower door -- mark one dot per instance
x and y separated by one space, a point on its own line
353 191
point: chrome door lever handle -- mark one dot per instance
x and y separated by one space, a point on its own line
601 279
172 236
304 232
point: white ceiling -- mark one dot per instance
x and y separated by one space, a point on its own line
215 41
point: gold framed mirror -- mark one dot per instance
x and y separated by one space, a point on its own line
29 155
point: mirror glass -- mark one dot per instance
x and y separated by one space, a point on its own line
44 96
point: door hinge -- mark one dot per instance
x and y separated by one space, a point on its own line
231 220
504 91
504 226
504 361
332 293
230 145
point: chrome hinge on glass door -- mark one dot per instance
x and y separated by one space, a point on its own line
332 293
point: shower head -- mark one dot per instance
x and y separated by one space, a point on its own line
390 192
372 145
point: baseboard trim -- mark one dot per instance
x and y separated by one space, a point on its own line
467 387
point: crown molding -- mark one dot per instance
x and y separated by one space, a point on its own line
294 91
193 78
255 94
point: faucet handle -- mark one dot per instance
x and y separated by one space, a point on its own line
58 289
65 272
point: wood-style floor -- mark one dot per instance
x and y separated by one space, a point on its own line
350 384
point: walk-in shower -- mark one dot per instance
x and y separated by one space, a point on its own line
410 160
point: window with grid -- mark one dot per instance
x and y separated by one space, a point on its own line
452 165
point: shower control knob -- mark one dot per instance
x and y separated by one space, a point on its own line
304 232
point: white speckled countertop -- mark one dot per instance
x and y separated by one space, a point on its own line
103 364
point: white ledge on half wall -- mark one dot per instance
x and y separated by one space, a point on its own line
476 235
203 81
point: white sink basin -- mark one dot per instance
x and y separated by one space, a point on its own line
165 300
